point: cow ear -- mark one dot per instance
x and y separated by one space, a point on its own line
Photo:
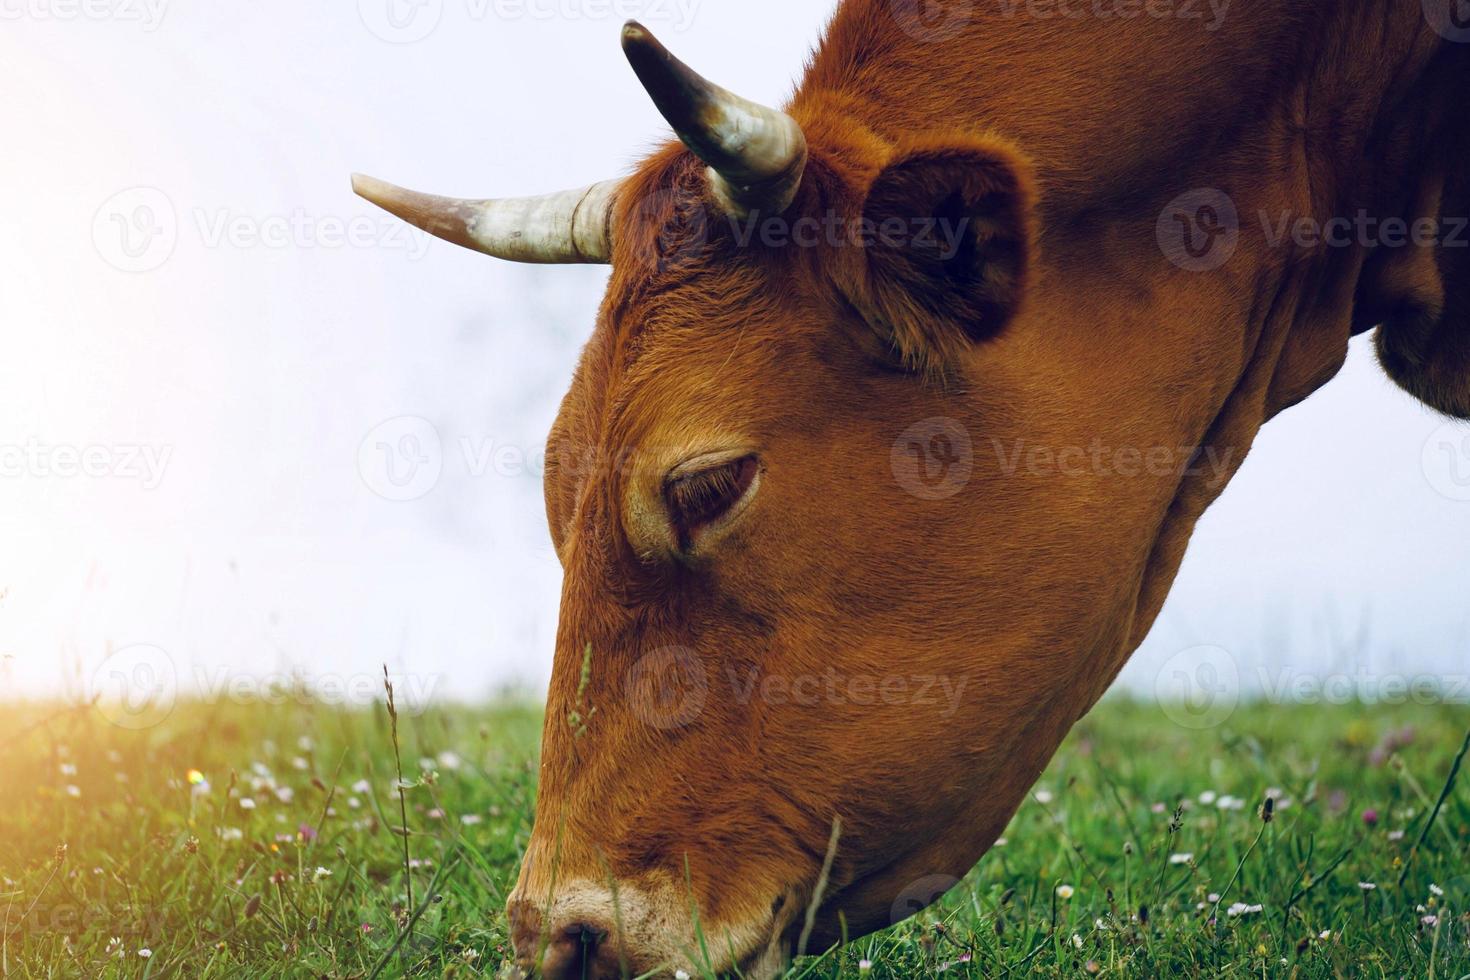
946 242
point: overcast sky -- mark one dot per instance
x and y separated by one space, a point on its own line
199 315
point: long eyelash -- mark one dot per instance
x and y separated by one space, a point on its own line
701 497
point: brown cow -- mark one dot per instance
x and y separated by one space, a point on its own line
902 405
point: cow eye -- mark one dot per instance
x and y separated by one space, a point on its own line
701 498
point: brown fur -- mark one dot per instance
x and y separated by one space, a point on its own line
1063 139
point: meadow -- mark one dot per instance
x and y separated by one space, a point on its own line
258 840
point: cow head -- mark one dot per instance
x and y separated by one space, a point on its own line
853 518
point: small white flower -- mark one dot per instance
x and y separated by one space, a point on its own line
1043 796
362 786
450 760
73 791
353 803
1436 890
1212 897
1395 835
1430 920
1065 891
1230 803
470 819
231 833
246 803
321 873
300 764
285 794
865 966
1241 908
304 743
1183 858
68 769
681 975
1367 886
1076 940
1207 797
1325 934
145 952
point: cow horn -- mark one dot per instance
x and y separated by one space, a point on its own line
569 226
755 154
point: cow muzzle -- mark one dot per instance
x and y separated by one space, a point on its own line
602 932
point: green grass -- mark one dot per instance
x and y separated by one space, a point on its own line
106 848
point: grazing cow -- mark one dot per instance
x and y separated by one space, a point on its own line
901 407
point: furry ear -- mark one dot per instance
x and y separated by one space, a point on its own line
946 240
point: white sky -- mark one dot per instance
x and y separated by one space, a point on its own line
255 370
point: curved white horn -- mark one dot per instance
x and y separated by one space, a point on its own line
566 227
756 154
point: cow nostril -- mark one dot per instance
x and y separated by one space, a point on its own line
586 935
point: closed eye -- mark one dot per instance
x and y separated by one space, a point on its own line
707 498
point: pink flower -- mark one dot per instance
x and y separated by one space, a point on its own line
1370 817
